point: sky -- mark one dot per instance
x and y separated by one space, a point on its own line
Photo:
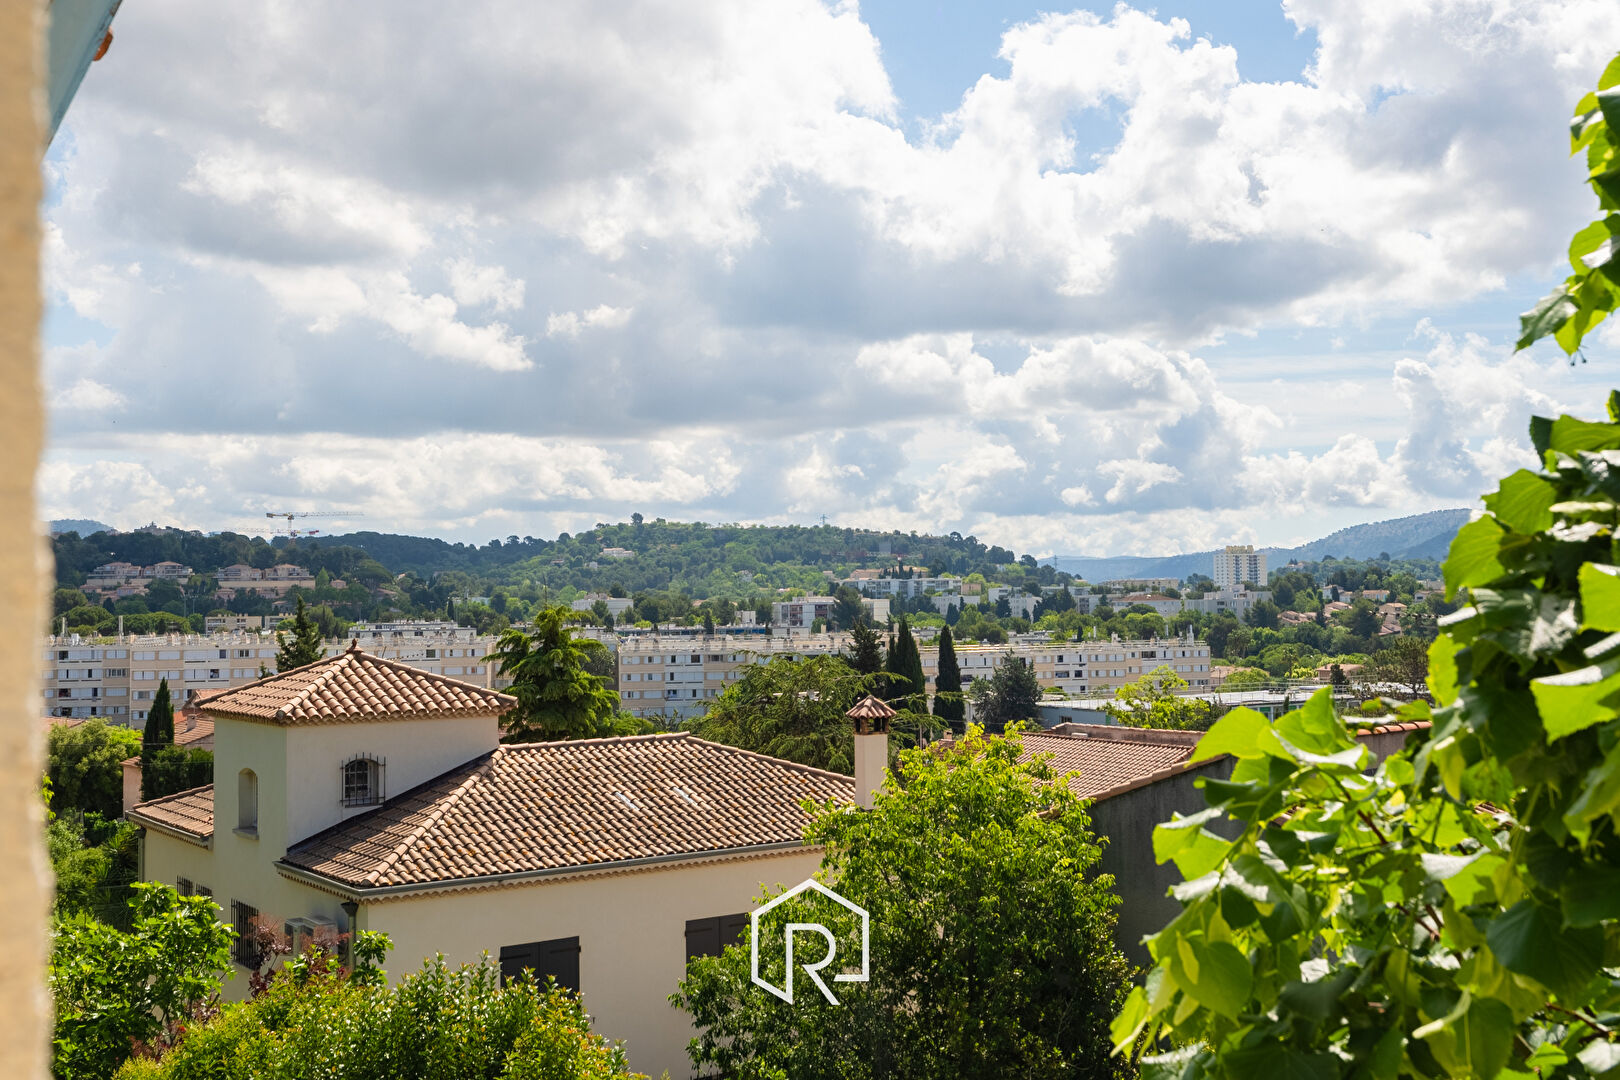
1091 280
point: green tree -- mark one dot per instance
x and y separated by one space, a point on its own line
159 734
112 987
1590 293
64 600
84 764
94 861
847 608
1402 662
176 768
907 687
304 647
1156 701
1452 911
558 696
1010 695
867 657
1247 678
992 949
949 705
791 708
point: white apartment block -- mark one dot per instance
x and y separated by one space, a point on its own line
803 611
1234 601
1237 564
678 676
904 588
115 677
1163 605
1083 668
616 605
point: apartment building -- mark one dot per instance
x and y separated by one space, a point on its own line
271 581
616 605
803 611
1164 605
115 678
1233 601
904 588
1237 564
676 677
1085 667
109 576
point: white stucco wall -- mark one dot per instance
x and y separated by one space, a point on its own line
631 930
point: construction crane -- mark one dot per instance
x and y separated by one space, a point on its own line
289 515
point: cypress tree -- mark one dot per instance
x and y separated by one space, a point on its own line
909 687
159 733
948 704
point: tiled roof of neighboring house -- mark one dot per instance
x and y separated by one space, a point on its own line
190 812
1106 762
355 685
551 807
190 727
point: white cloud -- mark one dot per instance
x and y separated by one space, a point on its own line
473 285
570 324
87 395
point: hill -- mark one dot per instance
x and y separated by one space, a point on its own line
82 526
1418 536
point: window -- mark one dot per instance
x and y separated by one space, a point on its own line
558 958
709 937
246 947
247 803
362 781
184 887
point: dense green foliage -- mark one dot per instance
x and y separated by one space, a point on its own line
558 696
176 768
791 708
1589 294
907 686
991 937
1008 696
437 1024
1155 701
300 644
84 764
1453 912
113 987
94 861
866 649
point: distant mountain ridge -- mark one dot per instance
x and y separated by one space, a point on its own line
82 526
1420 536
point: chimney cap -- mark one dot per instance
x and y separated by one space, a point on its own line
871 716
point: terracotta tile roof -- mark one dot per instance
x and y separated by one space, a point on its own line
541 807
870 708
189 812
1108 762
354 686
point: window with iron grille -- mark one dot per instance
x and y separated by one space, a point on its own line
246 948
363 781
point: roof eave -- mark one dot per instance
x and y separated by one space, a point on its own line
522 877
170 830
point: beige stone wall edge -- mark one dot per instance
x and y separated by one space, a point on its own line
23 559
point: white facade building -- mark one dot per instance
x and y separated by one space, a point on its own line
1237 564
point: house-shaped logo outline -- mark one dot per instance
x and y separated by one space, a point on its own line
753 941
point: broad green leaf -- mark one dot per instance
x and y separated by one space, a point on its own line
1315 727
1599 797
1543 320
1610 76
1442 678
1575 700
1273 1061
1475 556
1600 597
1530 939
1522 502
1216 974
1317 1000
1609 102
1132 1018
1241 733
1601 1058
1485 1036
1463 875
1571 434
1594 243
1591 895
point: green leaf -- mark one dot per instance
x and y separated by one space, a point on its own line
1241 733
1132 1018
1601 1058
1320 999
1591 895
1215 974
1594 242
1273 1061
1571 435
1442 678
1600 597
1611 75
1530 940
1575 700
1475 556
1523 502
1599 797
1464 876
1609 102
1543 320
1196 851
1485 1036
1315 727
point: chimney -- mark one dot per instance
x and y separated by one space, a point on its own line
871 718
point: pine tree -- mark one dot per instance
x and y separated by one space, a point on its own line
159 733
304 647
948 704
868 656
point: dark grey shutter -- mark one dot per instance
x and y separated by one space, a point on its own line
557 958
709 937
733 929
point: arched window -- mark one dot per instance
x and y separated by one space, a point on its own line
247 801
362 779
